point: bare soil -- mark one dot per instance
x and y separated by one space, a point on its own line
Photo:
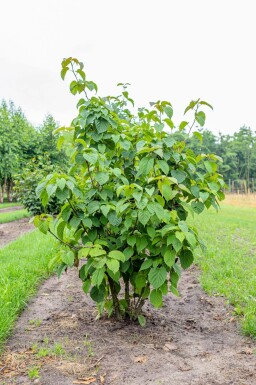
9 209
13 230
192 340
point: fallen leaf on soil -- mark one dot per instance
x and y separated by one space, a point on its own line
102 379
170 347
140 359
85 381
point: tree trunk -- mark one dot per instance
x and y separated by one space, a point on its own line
117 312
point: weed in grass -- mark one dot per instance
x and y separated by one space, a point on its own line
33 373
46 340
88 344
35 322
43 352
58 349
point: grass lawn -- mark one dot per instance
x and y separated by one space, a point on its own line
13 215
5 205
23 264
229 264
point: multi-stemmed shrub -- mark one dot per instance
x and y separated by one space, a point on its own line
127 197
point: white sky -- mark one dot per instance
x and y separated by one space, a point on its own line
167 49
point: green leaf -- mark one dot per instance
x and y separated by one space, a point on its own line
198 207
113 265
200 118
97 293
172 240
151 231
96 252
51 188
205 104
186 259
102 125
128 252
195 191
113 219
142 320
93 206
146 264
191 239
87 222
169 141
60 229
98 276
164 166
169 111
179 175
156 298
43 226
183 125
116 254
75 222
157 276
169 257
90 157
68 258
101 177
183 226
144 217
86 285
167 192
145 166
141 244
61 183
131 240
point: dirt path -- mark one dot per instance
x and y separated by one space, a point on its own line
9 209
12 230
193 340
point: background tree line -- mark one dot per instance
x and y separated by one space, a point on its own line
28 153
25 149
238 152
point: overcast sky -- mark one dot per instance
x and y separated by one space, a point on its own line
167 49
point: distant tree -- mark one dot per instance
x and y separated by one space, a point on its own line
16 137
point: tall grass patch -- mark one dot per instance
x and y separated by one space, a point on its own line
23 264
229 263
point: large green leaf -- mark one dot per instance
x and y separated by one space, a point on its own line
113 265
116 254
141 243
157 276
144 217
145 166
156 298
98 276
97 293
169 257
101 177
186 259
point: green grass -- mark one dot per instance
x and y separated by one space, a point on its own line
229 264
23 264
13 215
5 205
